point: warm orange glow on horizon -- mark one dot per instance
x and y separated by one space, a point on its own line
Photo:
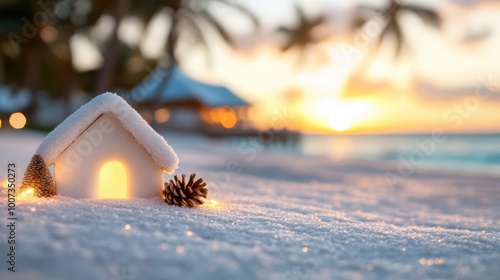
348 71
386 98
336 115
113 180
340 123
381 110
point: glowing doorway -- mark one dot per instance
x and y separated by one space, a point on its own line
113 180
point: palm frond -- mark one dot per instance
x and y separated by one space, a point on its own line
301 36
207 16
318 21
400 40
427 15
189 19
284 29
363 14
386 32
301 15
359 21
287 46
392 29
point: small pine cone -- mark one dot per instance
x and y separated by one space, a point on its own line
178 192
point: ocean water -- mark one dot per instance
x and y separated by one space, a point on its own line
475 153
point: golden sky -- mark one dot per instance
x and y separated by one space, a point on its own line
340 88
442 83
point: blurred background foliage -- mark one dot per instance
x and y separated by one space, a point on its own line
36 40
343 60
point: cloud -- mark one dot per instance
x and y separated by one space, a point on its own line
473 36
357 87
485 87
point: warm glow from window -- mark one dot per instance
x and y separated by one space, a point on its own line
214 115
162 115
228 119
17 120
113 180
0 123
205 116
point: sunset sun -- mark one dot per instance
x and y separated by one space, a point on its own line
340 122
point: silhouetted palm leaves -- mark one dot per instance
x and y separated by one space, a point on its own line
191 17
301 36
391 14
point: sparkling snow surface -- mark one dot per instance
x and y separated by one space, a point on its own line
277 216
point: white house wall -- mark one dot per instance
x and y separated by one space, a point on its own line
77 169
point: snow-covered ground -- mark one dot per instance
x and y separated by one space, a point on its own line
278 216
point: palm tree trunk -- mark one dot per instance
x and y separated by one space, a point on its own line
106 72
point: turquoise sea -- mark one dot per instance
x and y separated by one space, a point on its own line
478 153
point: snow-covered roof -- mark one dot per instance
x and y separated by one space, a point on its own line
181 88
66 133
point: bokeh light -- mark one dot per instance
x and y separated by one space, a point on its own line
49 34
228 119
162 115
17 120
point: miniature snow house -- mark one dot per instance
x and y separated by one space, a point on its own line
106 150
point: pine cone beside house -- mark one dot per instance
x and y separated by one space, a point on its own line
181 193
37 180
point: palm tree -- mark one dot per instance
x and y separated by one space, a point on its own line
300 37
391 13
34 64
186 17
42 59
